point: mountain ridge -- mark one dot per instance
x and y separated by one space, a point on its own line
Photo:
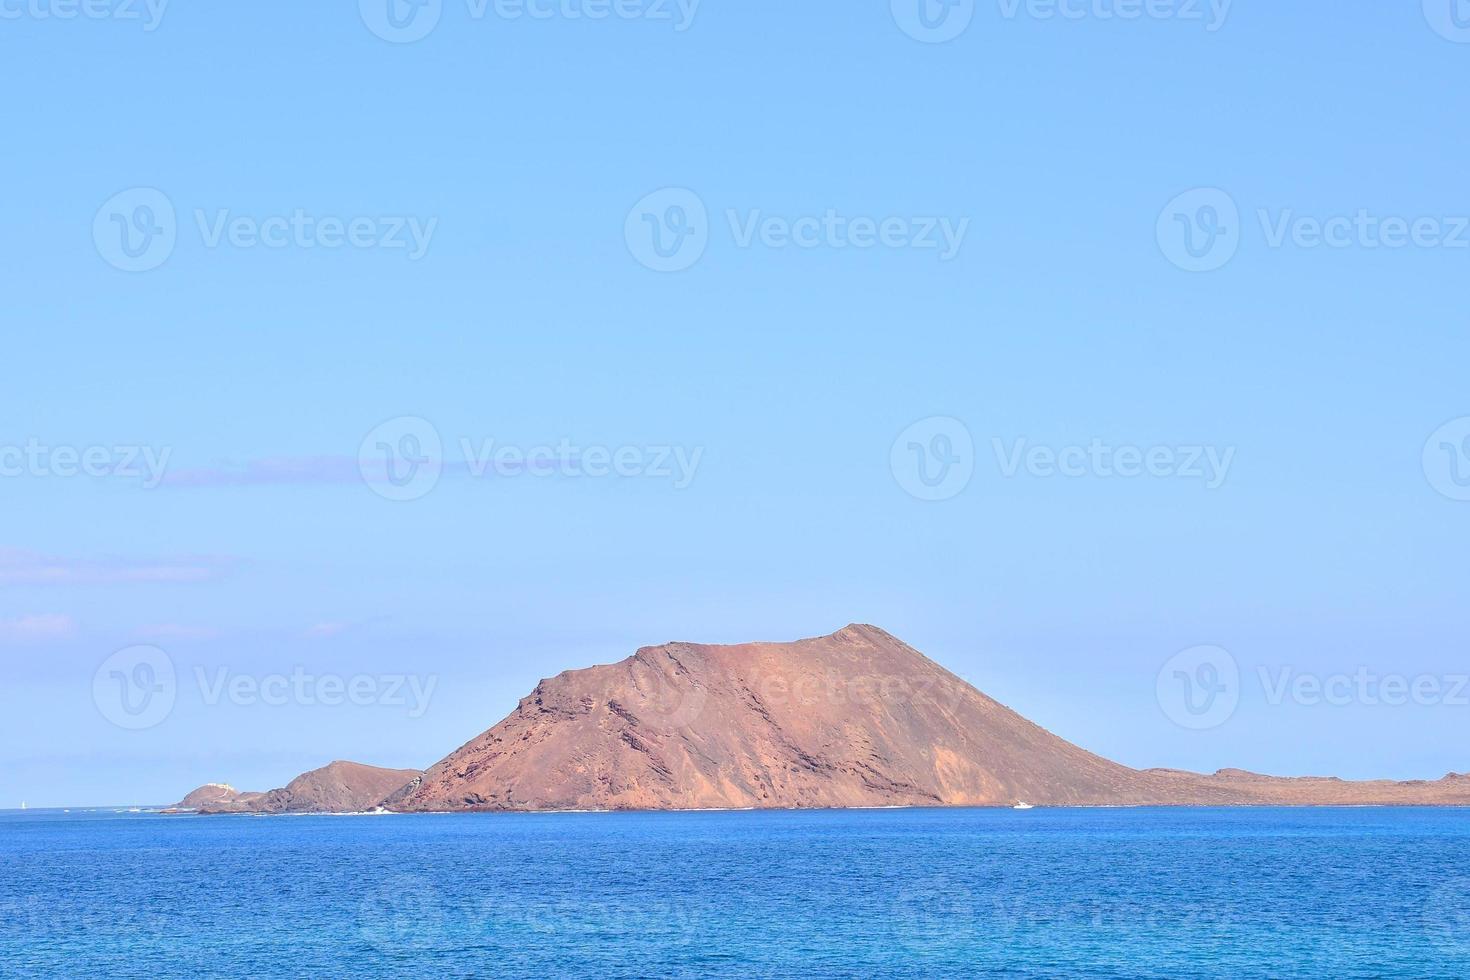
855 718
338 787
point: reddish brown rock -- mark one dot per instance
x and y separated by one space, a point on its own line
342 787
210 794
854 719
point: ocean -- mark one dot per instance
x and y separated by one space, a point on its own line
857 893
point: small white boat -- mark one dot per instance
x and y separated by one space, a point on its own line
1023 805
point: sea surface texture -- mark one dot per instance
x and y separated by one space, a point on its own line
1047 893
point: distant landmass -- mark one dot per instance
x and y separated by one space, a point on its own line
341 787
209 795
854 719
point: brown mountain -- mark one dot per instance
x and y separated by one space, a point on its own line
210 794
857 718
342 787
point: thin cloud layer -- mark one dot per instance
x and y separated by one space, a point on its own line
275 471
37 628
177 631
338 470
19 567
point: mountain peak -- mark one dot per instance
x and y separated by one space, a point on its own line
338 787
875 635
853 718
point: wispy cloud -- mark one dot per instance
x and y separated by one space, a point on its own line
486 459
336 470
176 631
37 628
29 568
275 471
327 629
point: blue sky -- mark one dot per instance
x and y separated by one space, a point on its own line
1068 155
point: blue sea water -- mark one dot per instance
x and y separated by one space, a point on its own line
1101 893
